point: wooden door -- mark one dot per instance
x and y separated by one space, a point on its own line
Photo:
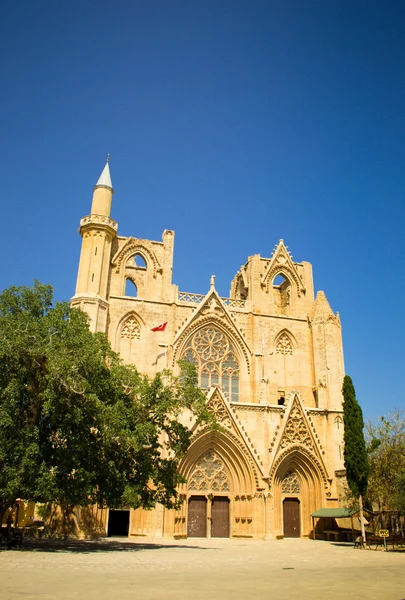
220 517
197 517
291 517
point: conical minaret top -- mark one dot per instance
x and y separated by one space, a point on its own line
103 193
105 177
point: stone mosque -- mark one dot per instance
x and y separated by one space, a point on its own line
269 358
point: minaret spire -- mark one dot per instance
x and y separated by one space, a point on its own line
105 178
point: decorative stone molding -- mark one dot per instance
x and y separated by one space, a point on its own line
209 474
217 407
222 324
299 449
296 430
281 263
98 220
290 483
243 451
141 247
284 344
131 329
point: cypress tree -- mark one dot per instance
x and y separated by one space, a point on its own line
355 451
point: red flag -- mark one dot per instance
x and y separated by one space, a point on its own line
161 327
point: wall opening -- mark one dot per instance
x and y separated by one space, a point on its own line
281 294
118 523
139 261
130 288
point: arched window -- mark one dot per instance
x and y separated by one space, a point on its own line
139 261
209 474
130 288
281 294
284 345
290 483
215 358
131 329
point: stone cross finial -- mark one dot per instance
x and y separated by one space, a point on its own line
212 281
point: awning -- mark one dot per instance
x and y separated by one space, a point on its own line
334 513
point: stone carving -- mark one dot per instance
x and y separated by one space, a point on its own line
216 406
296 430
290 483
284 345
339 422
131 329
209 474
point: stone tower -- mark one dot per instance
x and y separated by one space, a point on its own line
269 357
98 232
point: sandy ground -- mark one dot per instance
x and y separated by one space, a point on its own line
199 568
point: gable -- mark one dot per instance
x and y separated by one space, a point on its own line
212 311
281 264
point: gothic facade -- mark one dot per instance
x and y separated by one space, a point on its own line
269 357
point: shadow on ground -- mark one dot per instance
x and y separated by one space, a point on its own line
92 546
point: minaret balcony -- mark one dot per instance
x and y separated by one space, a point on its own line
98 220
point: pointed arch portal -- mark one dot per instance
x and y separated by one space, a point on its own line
298 490
220 481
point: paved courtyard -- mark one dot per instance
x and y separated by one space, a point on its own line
199 568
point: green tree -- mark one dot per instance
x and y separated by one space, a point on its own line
355 451
76 425
386 443
400 496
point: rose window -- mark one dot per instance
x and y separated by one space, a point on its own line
214 356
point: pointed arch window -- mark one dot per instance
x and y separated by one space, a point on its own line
284 345
209 474
290 483
131 329
216 361
130 288
139 261
281 294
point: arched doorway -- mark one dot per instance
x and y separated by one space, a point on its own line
291 517
209 514
298 491
220 487
118 523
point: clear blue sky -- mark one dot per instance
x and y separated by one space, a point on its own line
235 123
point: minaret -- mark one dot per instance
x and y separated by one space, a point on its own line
98 231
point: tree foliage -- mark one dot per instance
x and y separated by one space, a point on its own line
355 451
386 444
76 425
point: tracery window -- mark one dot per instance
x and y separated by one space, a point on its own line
209 474
290 483
215 358
284 345
131 329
